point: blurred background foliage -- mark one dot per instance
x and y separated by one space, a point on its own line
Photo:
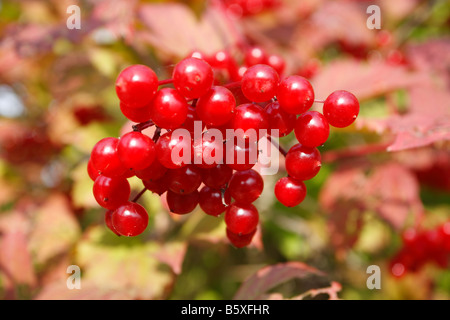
388 172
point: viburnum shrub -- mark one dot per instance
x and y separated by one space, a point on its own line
215 170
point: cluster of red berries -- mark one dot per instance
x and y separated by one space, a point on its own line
421 247
210 171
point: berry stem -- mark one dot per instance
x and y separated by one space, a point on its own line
277 145
163 82
157 134
319 101
142 126
136 198
222 194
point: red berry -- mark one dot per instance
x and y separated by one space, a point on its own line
110 193
279 120
158 186
153 172
105 158
242 155
216 107
184 180
218 176
169 109
260 83
246 186
241 218
250 117
240 240
172 151
136 150
211 201
191 120
277 62
341 108
253 56
130 220
295 95
182 203
136 114
289 191
303 163
192 77
208 151
312 129
136 86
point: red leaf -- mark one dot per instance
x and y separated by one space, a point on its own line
15 257
175 31
258 285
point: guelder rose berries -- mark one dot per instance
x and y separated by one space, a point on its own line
190 162
136 86
341 108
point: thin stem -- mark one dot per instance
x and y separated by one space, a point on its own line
319 101
157 134
143 125
277 145
194 103
163 82
136 198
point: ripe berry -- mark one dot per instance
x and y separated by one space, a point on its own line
208 151
260 83
242 155
136 150
246 186
158 186
240 240
182 203
218 176
303 163
192 77
136 86
216 107
341 108
295 95
277 62
130 220
136 114
153 172
211 201
110 193
279 119
105 158
172 151
289 191
241 218
253 56
184 180
250 117
191 121
312 129
169 109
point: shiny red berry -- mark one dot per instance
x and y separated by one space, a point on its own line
341 108
303 163
192 77
136 86
260 83
130 219
295 95
311 129
289 191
